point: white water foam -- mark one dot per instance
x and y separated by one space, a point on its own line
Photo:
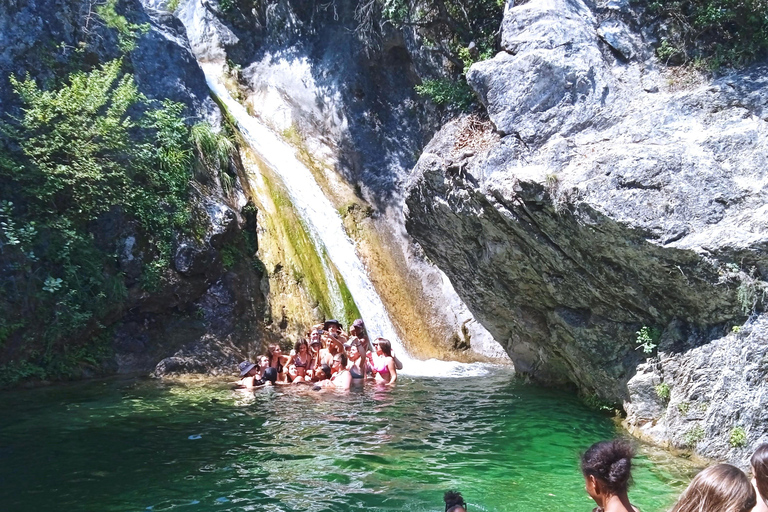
327 229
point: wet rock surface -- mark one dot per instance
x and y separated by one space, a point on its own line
707 397
615 198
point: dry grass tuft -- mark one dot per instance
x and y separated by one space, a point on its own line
476 135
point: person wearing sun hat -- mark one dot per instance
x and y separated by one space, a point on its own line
335 330
248 374
335 340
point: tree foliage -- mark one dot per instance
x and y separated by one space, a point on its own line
461 31
90 149
715 32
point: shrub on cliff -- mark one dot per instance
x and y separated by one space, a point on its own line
716 32
80 159
461 31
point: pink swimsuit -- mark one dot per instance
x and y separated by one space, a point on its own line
381 370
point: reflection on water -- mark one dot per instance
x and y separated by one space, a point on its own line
197 446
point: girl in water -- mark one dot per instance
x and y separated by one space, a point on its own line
357 360
263 363
454 502
382 363
607 467
301 359
759 465
278 361
718 488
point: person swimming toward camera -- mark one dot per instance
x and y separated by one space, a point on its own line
454 502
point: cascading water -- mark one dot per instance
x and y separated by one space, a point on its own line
326 226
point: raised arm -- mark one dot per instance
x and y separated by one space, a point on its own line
336 341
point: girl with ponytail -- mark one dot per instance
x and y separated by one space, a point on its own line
607 468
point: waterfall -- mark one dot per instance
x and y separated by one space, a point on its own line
321 218
327 229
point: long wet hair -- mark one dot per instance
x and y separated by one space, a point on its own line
611 463
718 488
759 463
385 345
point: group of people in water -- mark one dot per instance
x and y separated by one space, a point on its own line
329 358
607 470
607 467
326 358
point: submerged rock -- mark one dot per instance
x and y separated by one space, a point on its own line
614 199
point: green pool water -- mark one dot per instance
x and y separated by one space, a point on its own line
198 446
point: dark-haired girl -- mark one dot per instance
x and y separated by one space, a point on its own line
382 362
759 465
607 468
454 502
357 361
301 359
278 361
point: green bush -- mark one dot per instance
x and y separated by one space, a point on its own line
75 155
461 31
663 391
127 32
738 437
694 435
447 92
719 32
647 339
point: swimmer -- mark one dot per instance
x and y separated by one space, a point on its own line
382 363
357 329
315 347
249 374
270 376
322 372
278 361
301 359
357 361
263 362
607 467
342 378
718 488
454 502
759 463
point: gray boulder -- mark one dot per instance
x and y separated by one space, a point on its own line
615 198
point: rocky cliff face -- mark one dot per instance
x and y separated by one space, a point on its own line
207 313
709 396
608 195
